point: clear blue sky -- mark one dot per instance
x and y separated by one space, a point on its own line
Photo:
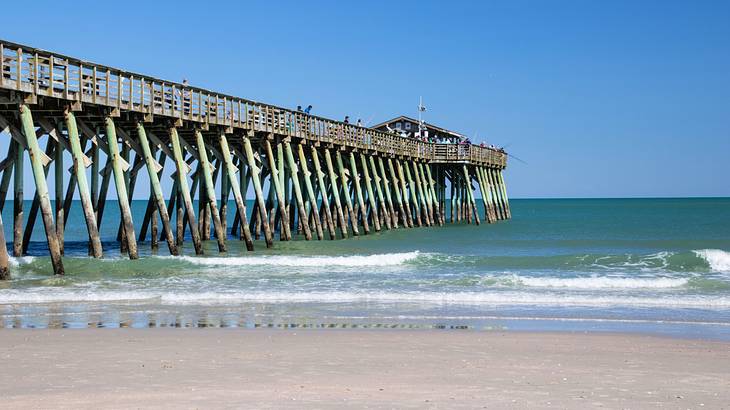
602 99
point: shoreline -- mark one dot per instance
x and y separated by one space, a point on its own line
41 316
213 367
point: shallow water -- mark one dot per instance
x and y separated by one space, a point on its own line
649 265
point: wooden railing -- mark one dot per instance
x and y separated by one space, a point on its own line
42 73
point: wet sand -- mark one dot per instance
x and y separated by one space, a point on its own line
235 368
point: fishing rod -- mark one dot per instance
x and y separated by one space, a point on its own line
518 159
508 154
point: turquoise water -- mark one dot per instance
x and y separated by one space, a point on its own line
649 265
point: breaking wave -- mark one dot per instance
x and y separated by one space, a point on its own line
718 259
601 282
385 259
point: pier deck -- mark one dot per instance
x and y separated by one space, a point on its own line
310 175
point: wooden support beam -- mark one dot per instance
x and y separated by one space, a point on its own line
235 186
388 196
434 196
156 189
94 176
8 172
486 200
470 194
495 195
505 198
58 182
371 196
18 203
121 184
406 202
398 196
278 184
41 188
335 192
79 170
346 193
412 192
106 174
225 193
426 192
297 190
220 234
498 193
489 214
307 177
418 193
35 205
18 136
154 229
255 177
381 194
452 197
282 172
358 193
151 214
323 193
4 257
184 192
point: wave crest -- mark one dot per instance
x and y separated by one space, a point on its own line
718 259
384 259
602 282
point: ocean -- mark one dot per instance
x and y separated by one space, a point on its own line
659 266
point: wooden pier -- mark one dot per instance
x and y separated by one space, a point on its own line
312 177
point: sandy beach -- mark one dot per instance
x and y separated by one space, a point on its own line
216 368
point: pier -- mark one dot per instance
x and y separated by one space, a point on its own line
311 177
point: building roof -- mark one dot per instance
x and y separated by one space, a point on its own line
431 126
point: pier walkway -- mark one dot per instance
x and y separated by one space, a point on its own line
311 176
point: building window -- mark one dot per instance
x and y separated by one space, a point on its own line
397 125
408 125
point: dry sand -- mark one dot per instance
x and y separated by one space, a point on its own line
235 368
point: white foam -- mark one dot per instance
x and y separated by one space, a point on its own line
602 282
465 298
56 295
20 260
718 259
492 299
385 259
